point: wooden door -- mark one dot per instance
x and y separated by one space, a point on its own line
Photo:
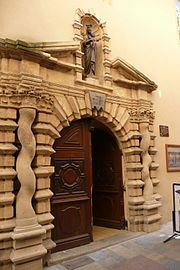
108 206
71 184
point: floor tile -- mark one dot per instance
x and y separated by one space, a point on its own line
154 256
109 263
132 245
99 255
104 254
173 265
92 266
78 262
55 267
124 252
141 263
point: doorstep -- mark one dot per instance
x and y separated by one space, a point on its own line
69 254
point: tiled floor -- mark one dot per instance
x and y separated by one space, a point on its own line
146 252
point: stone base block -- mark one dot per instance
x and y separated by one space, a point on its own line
49 245
4 255
150 212
34 265
135 227
108 83
27 254
92 80
151 216
135 192
6 266
151 227
136 224
46 258
28 250
136 213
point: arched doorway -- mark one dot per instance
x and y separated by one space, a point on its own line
108 204
87 183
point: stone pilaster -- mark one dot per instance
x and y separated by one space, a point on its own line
134 184
106 52
7 173
151 215
79 69
27 237
153 168
45 134
77 26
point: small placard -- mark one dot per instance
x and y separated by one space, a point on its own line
164 131
97 100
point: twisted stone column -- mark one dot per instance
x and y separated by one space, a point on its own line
24 209
150 207
146 161
28 250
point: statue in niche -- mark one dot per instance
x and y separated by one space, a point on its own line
90 52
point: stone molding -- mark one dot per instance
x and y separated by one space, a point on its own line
133 77
20 50
46 55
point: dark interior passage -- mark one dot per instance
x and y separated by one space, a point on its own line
108 206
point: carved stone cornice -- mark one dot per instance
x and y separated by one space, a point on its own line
55 46
29 98
133 78
142 114
22 50
24 88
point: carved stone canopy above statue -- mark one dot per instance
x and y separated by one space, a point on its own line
88 26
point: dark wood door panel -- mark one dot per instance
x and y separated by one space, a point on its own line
72 225
108 209
69 176
71 184
72 138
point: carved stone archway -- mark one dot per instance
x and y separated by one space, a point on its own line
128 131
37 85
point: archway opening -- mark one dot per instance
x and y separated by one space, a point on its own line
107 183
87 183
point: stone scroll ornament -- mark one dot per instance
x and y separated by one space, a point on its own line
24 209
146 161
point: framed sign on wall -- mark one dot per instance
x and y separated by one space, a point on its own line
164 131
176 199
173 157
175 212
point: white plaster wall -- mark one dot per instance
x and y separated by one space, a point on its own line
142 32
